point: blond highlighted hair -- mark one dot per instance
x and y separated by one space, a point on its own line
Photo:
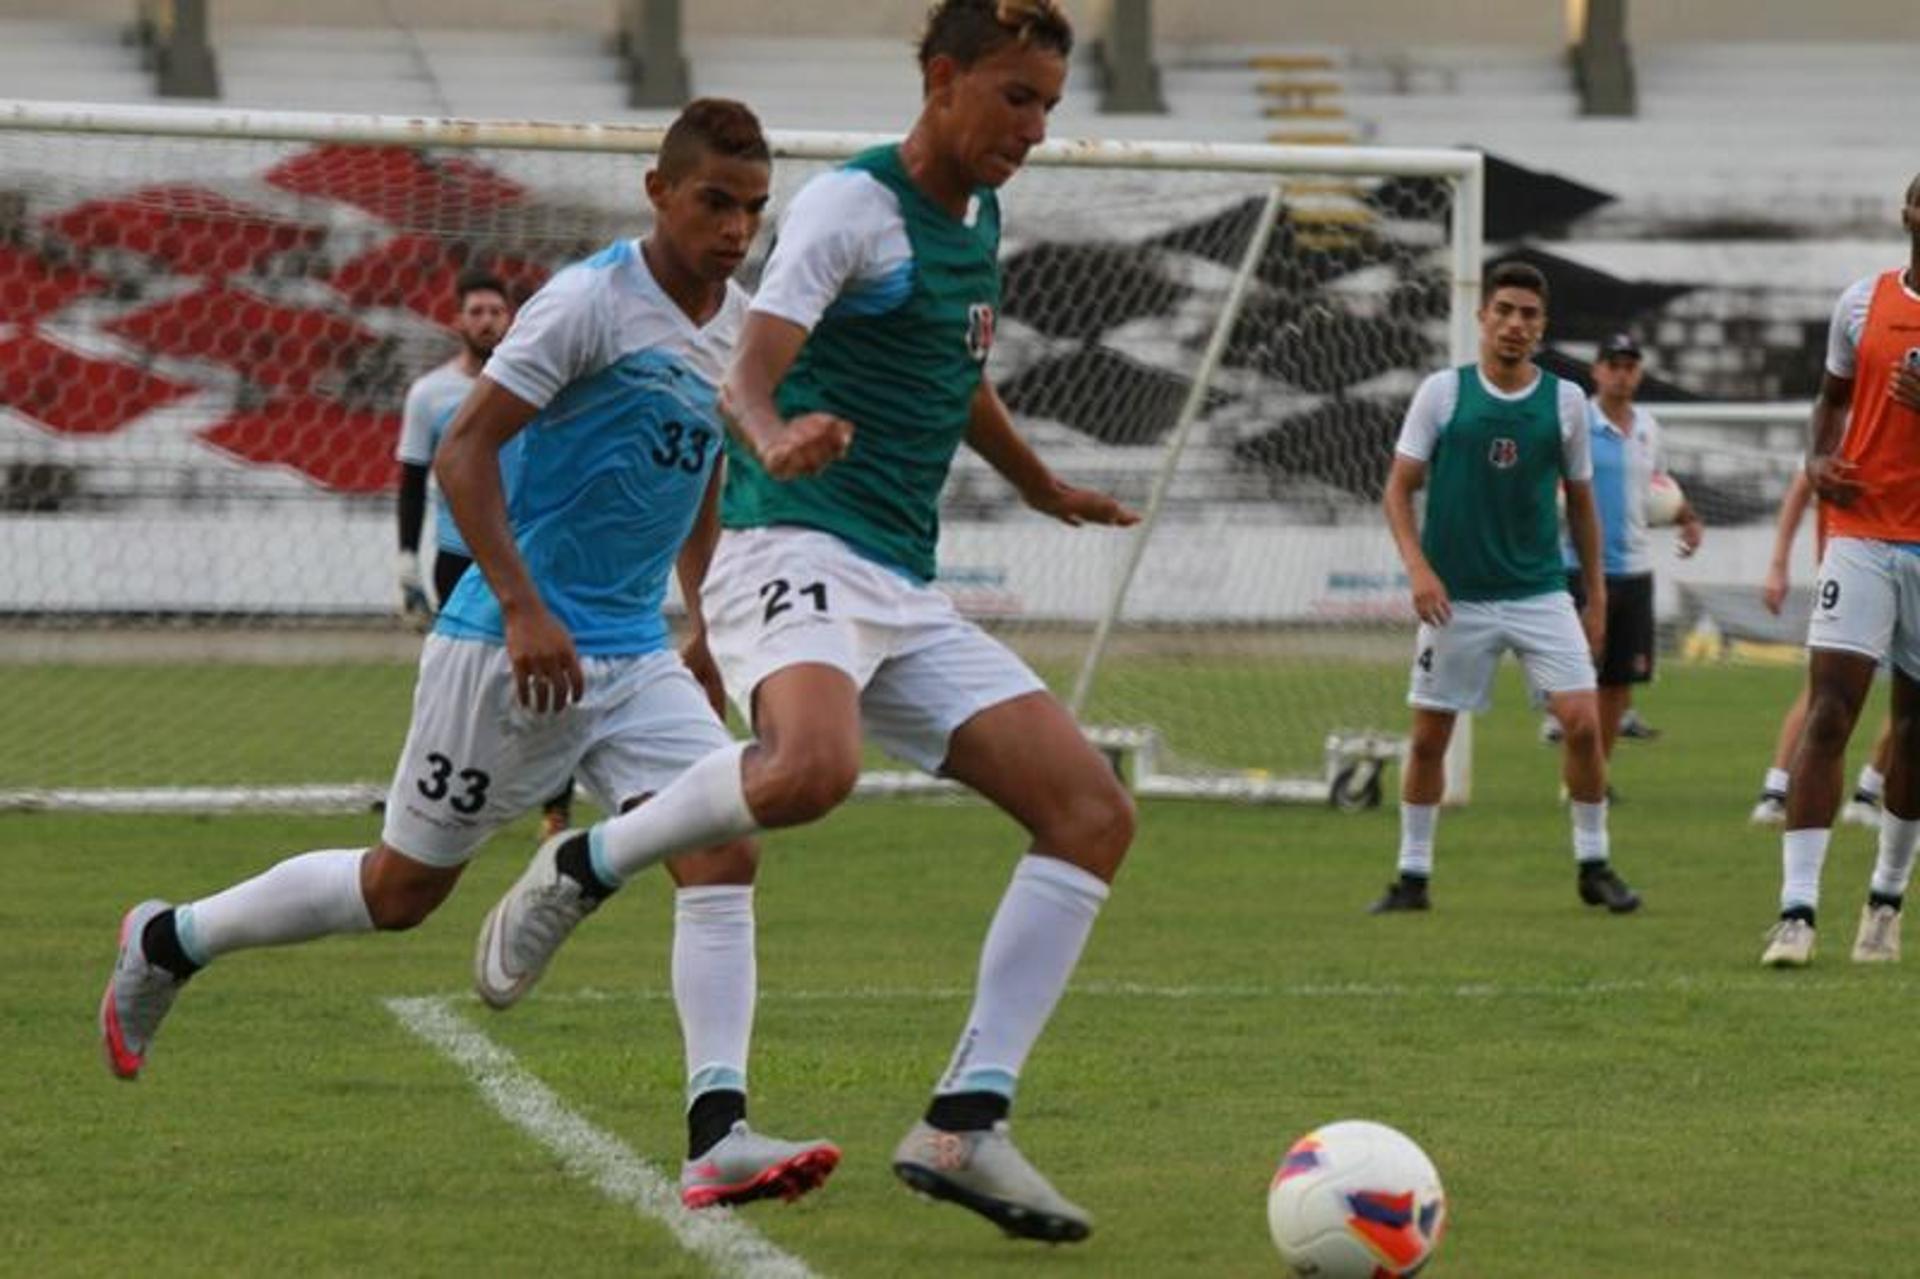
969 30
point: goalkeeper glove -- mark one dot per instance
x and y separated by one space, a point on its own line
413 591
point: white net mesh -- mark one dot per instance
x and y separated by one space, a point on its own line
205 341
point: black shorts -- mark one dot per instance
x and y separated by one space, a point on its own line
447 568
1627 657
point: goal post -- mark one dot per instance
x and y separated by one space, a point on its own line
208 320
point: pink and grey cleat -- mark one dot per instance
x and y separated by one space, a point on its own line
137 997
744 1166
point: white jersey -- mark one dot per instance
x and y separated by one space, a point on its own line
1849 320
842 247
431 403
1624 464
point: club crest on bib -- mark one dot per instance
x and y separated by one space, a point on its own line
979 330
1504 452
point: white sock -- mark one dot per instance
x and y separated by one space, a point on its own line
1589 831
1031 949
1894 868
1416 838
1776 783
704 806
1802 854
312 895
1872 782
714 983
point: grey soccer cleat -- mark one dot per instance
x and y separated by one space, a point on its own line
1771 810
137 997
1789 944
744 1166
1878 941
984 1171
525 928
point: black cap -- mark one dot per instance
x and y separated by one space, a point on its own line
1619 344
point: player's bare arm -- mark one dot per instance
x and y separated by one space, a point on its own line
696 555
546 669
1831 476
1792 507
1583 525
1430 602
808 444
991 434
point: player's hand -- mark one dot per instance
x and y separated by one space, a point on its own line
546 670
1593 620
412 590
1833 479
1774 593
1904 386
1077 506
1692 532
700 664
1430 602
807 445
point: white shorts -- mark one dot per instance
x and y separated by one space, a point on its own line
1453 665
1867 601
475 758
782 596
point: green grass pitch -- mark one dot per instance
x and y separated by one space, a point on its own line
1604 1097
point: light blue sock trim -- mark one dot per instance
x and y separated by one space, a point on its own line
985 1079
597 858
714 1078
189 939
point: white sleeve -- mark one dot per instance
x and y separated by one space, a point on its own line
560 335
1843 334
416 430
826 239
1651 425
1428 412
1576 434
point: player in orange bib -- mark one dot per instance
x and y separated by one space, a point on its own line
1864 466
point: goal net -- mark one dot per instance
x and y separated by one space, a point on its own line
208 321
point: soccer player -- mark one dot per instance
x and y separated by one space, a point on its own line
1492 441
433 397
485 312
1625 443
860 371
1771 809
556 656
1864 465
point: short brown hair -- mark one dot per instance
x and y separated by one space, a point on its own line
719 126
969 30
1516 275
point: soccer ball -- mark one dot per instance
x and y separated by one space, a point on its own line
1664 500
1356 1200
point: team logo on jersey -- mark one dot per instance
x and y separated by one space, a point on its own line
979 330
1504 453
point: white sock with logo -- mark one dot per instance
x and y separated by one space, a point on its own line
1031 949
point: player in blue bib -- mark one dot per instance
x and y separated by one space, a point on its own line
555 658
861 370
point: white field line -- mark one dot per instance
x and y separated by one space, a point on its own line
726 1243
1783 984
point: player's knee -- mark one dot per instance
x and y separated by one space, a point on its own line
1427 747
1093 829
1828 725
1581 729
800 783
730 863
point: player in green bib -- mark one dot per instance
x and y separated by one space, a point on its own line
860 372
1494 443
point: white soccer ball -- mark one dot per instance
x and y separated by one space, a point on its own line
1356 1200
1665 501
